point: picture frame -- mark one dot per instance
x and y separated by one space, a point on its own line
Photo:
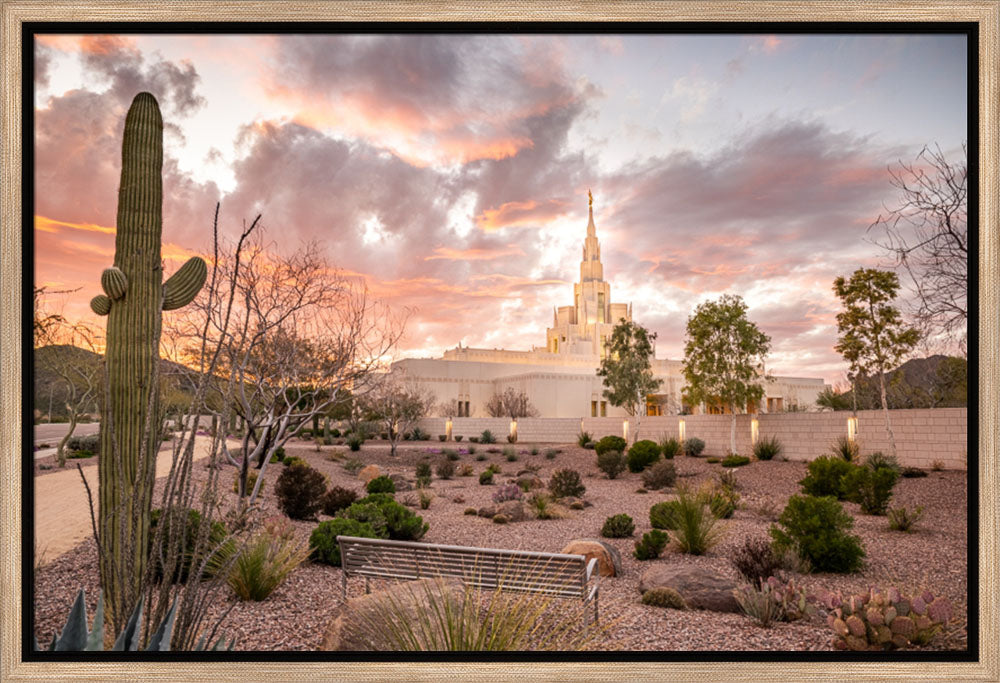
985 14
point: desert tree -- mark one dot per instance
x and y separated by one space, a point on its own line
397 404
873 337
627 369
926 235
724 357
510 403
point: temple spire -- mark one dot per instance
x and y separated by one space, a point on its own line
591 228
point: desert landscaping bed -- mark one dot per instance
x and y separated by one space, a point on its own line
298 613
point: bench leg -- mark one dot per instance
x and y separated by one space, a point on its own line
343 586
367 589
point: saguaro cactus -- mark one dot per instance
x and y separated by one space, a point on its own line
134 296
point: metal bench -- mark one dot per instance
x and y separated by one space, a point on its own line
554 574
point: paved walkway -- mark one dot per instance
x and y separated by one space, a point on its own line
62 514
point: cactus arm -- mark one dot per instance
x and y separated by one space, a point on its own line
181 288
100 304
114 283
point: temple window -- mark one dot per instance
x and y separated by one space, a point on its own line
593 408
604 408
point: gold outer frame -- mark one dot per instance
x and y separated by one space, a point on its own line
986 13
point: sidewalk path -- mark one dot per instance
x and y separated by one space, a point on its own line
62 514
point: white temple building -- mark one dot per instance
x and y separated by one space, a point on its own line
561 377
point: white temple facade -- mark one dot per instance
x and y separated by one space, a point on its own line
561 377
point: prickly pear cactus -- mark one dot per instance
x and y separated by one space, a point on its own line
886 620
134 297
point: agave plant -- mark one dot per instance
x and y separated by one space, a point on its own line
76 637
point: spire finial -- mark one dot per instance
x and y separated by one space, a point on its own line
590 196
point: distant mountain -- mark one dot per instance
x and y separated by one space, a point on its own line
934 382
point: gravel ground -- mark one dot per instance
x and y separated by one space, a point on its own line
296 615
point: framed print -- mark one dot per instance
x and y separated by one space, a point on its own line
639 341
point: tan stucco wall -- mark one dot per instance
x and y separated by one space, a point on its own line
922 436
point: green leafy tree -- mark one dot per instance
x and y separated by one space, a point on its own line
873 337
627 370
724 357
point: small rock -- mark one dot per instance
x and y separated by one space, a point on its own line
529 482
515 510
487 511
609 560
458 499
401 482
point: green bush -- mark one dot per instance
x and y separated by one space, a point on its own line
721 500
445 469
612 463
642 454
323 540
664 515
879 460
660 476
583 438
251 481
487 437
767 448
551 453
618 526
294 460
713 460
693 446
872 488
336 499
369 513
825 477
423 470
734 460
300 490
486 477
278 455
663 597
610 443
670 448
265 562
651 546
188 536
90 443
402 524
354 442
335 433
566 483
815 528
901 519
381 484
420 435
697 529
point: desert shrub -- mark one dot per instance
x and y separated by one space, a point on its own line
618 526
879 460
445 469
534 450
423 469
583 438
89 444
278 455
451 454
735 460
901 519
937 466
337 498
354 442
713 460
381 484
466 471
487 437
767 448
425 499
722 500
663 597
872 488
670 448
757 603
265 562
612 463
501 519
510 454
352 465
642 454
486 477
306 434
912 472
251 481
659 476
651 545
664 515
816 529
566 483
323 540
335 433
610 443
369 513
542 506
401 523
825 477
300 490
693 446
696 531
507 492
420 435
294 461
727 479
845 449
551 453
471 449
755 560
188 536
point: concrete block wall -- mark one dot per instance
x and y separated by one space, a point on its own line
922 436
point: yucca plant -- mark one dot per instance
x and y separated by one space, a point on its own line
267 560
697 529
846 449
901 519
75 637
767 448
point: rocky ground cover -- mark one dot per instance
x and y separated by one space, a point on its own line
298 614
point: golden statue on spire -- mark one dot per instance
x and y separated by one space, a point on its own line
590 196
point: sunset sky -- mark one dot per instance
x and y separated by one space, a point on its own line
452 171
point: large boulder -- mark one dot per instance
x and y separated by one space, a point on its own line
514 509
369 472
609 560
529 482
700 587
355 628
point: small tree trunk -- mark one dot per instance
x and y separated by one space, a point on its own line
885 409
732 429
326 428
61 448
315 425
